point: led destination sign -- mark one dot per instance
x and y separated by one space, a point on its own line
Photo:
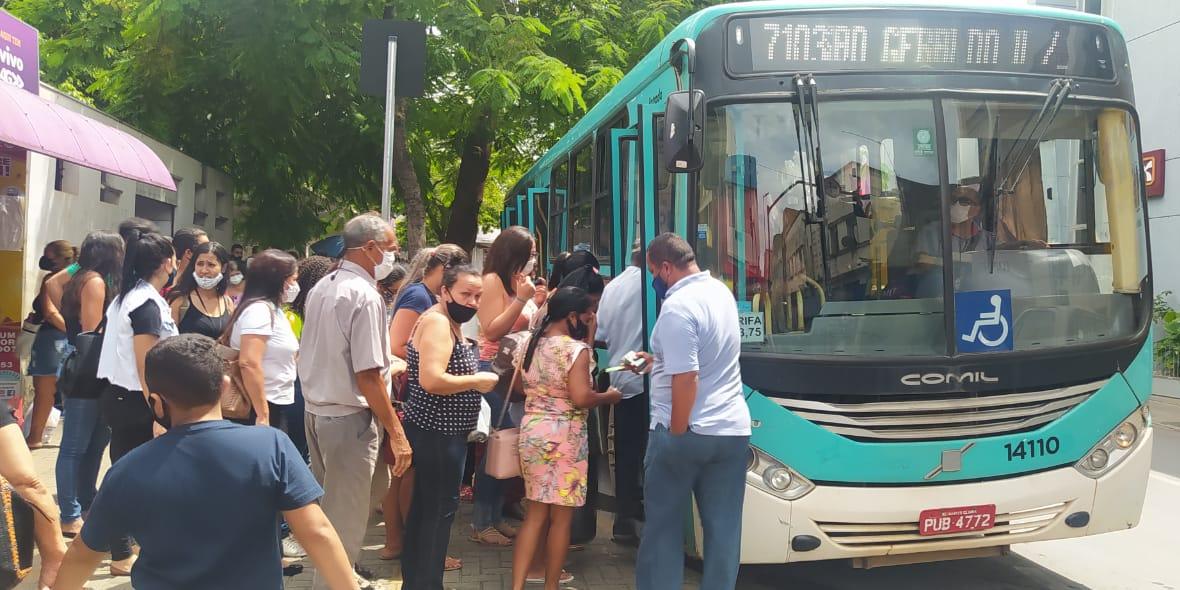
917 41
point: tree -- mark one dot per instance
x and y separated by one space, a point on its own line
266 91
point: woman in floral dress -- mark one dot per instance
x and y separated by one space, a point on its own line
554 446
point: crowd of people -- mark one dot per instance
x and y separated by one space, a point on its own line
359 366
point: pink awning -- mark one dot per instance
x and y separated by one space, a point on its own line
33 123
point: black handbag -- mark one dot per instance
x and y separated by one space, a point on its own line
79 371
16 537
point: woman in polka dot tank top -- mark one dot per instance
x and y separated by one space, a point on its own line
442 406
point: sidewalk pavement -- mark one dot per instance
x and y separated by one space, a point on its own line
603 565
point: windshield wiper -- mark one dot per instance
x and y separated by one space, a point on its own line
807 135
1027 142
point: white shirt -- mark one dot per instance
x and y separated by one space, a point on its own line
620 325
698 331
278 362
116 361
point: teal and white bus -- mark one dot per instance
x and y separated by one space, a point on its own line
828 160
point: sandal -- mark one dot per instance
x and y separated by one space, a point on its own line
452 564
566 578
466 494
386 555
491 536
507 530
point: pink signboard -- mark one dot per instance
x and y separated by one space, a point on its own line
18 53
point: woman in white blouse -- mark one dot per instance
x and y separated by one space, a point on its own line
261 333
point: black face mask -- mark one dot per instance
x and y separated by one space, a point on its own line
165 417
578 331
171 279
46 263
460 313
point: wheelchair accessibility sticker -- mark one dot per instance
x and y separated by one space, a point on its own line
983 320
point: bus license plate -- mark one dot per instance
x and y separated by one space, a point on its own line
944 521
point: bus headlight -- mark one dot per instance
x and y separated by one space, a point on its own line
772 476
1111 450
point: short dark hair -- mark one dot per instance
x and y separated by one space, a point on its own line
237 246
311 270
671 248
185 239
185 370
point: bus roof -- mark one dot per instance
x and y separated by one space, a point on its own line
692 26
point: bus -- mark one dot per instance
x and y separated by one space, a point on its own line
829 161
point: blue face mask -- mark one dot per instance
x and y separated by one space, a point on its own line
661 288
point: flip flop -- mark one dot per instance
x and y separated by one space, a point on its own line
452 564
566 578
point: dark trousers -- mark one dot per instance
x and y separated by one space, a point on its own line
294 414
438 470
631 428
129 433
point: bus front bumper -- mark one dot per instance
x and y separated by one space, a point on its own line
862 522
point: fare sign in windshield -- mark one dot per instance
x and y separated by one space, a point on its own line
917 41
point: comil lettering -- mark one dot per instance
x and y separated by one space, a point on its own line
914 379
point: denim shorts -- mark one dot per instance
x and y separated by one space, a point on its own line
49 350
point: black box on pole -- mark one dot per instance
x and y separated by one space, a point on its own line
411 56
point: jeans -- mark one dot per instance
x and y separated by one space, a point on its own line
84 437
489 491
631 427
438 469
677 467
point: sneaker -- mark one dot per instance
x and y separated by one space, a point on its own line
363 584
292 548
363 571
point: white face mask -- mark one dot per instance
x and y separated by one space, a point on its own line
383 268
959 213
290 292
207 282
529 266
236 279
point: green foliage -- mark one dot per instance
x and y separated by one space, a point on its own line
266 90
1167 342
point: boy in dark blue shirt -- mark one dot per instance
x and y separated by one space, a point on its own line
203 500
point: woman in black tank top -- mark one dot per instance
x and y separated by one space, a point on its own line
199 303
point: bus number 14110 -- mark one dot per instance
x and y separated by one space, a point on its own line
1033 448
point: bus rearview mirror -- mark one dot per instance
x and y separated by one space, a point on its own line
684 116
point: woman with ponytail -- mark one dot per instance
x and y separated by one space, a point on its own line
136 319
554 443
50 345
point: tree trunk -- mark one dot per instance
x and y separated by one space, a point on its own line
407 184
473 174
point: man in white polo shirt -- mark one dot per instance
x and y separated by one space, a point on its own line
700 424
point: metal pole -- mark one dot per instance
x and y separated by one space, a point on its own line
390 102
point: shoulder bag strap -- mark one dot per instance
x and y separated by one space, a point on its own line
511 384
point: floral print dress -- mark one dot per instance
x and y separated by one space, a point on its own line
554 445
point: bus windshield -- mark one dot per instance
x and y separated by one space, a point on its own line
854 266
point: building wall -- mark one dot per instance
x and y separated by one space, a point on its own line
1152 30
90 200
